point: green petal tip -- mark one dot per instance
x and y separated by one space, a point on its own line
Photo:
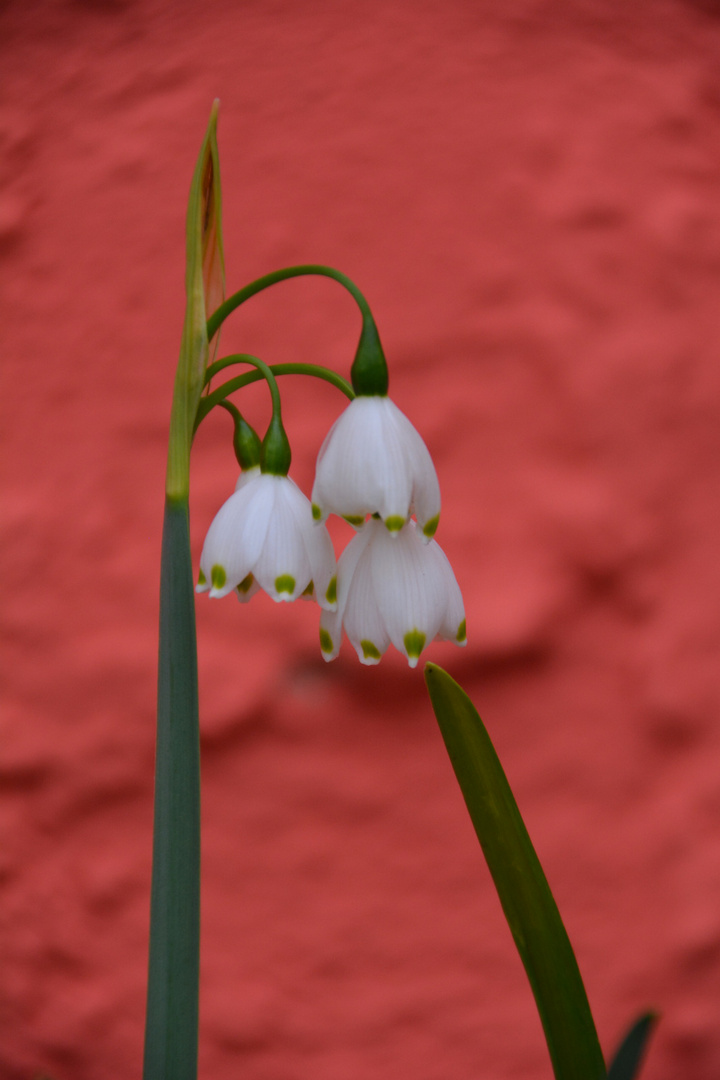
285 584
370 651
430 527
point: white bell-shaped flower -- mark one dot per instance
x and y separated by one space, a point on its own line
373 461
264 537
393 590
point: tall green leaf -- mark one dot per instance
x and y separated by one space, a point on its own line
522 887
628 1057
171 1032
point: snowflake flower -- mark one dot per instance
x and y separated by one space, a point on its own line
264 537
373 461
393 590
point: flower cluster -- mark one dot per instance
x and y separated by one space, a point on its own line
393 583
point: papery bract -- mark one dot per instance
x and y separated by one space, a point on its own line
373 461
264 537
393 590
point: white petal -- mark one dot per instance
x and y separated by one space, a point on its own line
361 616
348 561
425 485
318 546
452 627
330 634
235 537
246 475
244 594
323 567
283 568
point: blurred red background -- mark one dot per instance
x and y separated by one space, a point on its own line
529 199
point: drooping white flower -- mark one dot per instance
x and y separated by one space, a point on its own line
393 590
264 537
373 461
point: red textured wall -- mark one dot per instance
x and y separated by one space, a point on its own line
529 194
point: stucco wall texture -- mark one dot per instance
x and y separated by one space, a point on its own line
529 195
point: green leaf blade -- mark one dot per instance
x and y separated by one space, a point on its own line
628 1057
522 887
171 1031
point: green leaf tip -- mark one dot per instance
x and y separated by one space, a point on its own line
628 1058
523 890
204 288
213 256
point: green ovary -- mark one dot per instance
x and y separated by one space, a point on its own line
370 651
414 643
325 641
285 583
461 633
218 576
430 527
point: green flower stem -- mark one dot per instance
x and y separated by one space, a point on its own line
369 370
217 396
228 306
171 1033
264 371
275 454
